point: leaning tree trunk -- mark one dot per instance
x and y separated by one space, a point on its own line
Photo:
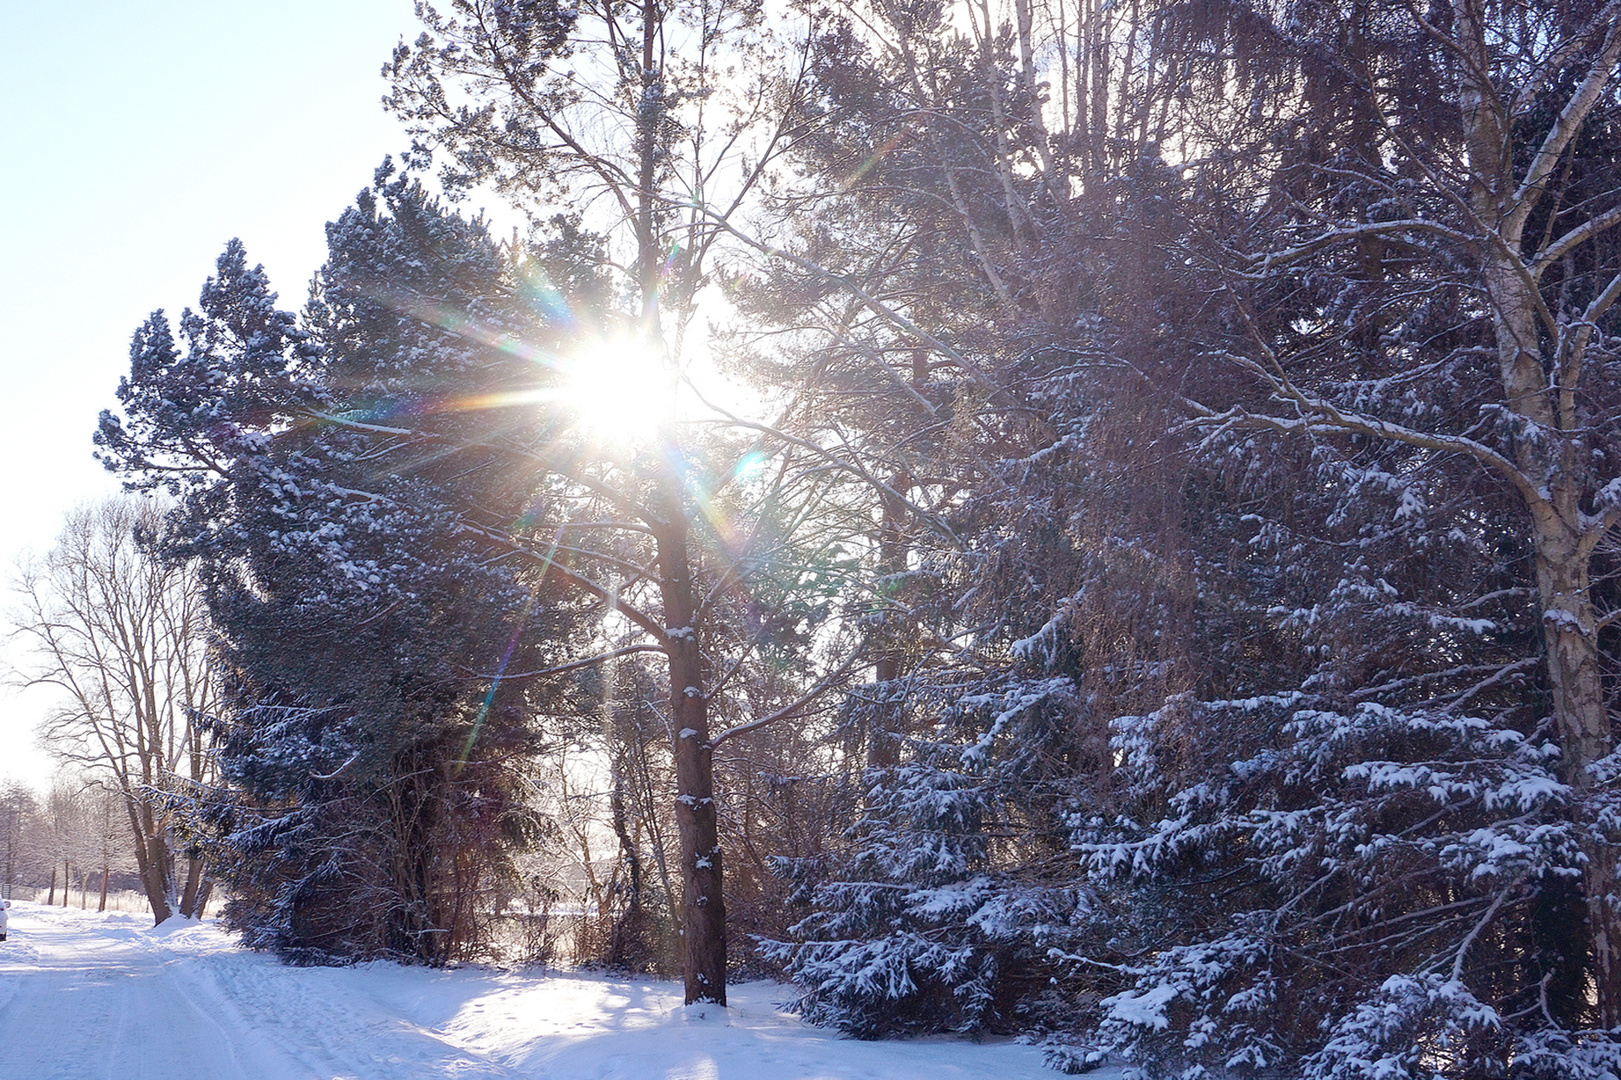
157 878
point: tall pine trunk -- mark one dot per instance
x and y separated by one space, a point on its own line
703 908
704 914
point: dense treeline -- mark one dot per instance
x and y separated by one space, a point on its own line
1163 597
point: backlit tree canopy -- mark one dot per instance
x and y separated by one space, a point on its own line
1161 595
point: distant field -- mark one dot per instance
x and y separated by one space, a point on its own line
90 900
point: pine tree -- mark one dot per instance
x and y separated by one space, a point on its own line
663 121
368 751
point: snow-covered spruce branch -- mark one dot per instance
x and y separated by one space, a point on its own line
1316 414
511 546
1494 672
1322 417
1507 673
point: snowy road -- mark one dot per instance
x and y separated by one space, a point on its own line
88 997
83 1007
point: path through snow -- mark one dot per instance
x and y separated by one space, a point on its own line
87 997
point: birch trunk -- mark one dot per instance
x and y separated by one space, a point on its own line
1538 391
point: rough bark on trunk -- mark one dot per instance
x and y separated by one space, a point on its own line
704 910
203 893
1562 554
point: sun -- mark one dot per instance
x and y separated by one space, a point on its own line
621 389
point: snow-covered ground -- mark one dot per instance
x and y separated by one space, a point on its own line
106 996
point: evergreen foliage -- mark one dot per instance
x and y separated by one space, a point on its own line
371 767
1323 806
1202 419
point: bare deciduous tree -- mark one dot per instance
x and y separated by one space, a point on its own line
121 633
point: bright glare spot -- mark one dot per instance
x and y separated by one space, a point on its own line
620 388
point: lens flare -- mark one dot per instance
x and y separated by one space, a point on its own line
621 389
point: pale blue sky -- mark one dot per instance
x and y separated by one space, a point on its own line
136 138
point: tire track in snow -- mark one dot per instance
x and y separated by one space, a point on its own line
325 1023
92 999
100 1007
